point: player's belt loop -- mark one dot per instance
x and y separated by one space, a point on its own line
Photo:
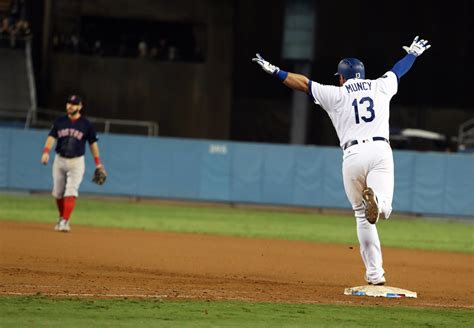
355 142
349 143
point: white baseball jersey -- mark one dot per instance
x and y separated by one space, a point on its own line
360 108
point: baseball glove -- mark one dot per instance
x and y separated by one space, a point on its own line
99 176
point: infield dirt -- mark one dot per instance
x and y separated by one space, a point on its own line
103 263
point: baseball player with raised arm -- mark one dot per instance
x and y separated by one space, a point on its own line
359 110
71 131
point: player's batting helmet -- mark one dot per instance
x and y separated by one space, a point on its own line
351 68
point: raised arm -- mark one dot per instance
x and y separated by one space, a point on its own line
297 82
291 80
416 48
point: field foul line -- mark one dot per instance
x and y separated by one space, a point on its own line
224 298
87 295
59 286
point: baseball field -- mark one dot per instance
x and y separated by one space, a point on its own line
129 263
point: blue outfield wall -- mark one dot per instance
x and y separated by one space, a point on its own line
425 183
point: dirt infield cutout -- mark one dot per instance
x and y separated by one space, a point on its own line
104 263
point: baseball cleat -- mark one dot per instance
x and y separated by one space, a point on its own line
56 227
377 282
371 205
64 226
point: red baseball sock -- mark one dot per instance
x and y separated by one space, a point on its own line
69 203
60 205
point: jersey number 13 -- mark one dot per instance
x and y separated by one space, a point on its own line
369 107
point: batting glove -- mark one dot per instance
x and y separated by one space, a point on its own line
266 66
417 47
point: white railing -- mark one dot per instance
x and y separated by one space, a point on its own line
43 118
466 135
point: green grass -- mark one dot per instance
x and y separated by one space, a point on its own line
441 235
46 312
53 312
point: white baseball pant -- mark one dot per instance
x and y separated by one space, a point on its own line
369 164
67 176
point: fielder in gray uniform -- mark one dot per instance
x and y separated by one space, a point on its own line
359 109
71 132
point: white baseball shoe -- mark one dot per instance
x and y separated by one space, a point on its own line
64 226
371 205
376 282
56 227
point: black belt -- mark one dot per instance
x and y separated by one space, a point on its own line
355 142
69 156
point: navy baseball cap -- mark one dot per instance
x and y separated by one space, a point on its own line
74 99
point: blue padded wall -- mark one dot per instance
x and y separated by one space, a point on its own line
425 183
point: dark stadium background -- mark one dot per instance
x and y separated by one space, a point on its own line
435 95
